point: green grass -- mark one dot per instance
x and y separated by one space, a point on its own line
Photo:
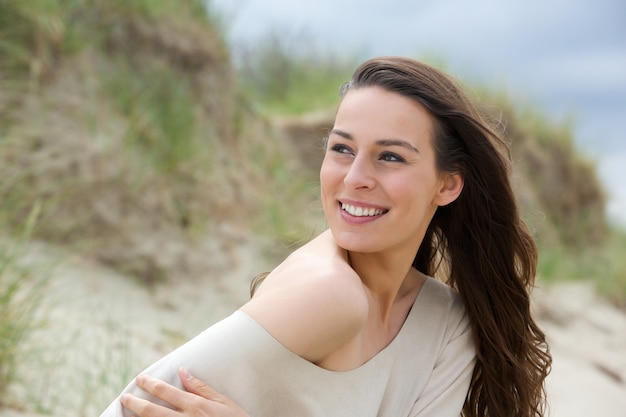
155 9
612 283
22 289
169 126
31 35
160 109
604 265
36 34
309 86
287 74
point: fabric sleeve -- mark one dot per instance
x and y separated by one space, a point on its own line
211 356
238 358
447 387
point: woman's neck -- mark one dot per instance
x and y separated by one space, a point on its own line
388 277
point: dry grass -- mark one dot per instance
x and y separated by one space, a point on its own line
22 289
137 139
558 187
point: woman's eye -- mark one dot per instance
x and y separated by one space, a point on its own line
391 157
339 148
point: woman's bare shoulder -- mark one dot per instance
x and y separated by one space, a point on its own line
313 302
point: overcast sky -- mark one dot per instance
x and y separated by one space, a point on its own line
565 56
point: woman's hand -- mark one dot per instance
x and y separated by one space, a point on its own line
199 400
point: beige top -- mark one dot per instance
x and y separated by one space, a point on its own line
425 371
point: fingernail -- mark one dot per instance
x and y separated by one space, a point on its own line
185 374
139 380
124 399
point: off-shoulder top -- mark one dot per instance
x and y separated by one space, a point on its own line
425 371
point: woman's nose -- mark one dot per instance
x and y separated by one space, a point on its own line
360 175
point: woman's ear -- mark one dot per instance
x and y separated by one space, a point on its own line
451 188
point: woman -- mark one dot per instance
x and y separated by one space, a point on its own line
414 184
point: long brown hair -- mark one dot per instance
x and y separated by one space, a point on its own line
478 242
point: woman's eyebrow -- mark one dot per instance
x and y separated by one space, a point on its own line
380 142
397 142
341 133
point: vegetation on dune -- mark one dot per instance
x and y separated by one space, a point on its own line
22 288
289 79
562 200
125 120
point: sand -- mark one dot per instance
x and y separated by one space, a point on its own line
101 328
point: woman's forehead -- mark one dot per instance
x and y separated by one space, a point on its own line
376 111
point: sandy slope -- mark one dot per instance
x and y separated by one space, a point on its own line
588 341
102 329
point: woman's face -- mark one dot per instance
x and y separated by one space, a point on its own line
379 184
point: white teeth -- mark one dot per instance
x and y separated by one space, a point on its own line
360 211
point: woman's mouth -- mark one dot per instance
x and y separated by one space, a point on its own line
358 211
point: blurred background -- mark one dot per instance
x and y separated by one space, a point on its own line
567 58
156 154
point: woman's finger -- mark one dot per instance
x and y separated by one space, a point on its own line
207 401
163 391
144 408
201 400
198 387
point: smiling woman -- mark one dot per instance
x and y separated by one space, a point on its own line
378 151
414 184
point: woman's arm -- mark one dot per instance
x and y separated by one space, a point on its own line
225 356
199 400
299 310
